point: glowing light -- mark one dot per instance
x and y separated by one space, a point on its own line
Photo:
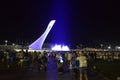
37 45
64 48
109 47
61 59
118 47
60 48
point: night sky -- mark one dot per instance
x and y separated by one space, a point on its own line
89 22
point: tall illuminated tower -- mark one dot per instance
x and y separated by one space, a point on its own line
37 45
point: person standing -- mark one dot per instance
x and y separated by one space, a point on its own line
82 66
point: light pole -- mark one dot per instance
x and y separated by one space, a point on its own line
6 41
101 45
13 44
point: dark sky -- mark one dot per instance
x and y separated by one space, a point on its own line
77 21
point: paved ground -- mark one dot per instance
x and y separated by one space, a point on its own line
50 74
45 76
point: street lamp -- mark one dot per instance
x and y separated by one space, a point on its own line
101 45
109 47
13 44
6 41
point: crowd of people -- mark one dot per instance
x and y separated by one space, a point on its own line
24 59
76 62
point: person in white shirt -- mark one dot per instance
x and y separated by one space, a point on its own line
82 65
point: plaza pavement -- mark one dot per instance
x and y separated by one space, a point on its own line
50 74
33 75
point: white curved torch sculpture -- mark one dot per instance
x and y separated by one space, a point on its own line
37 45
